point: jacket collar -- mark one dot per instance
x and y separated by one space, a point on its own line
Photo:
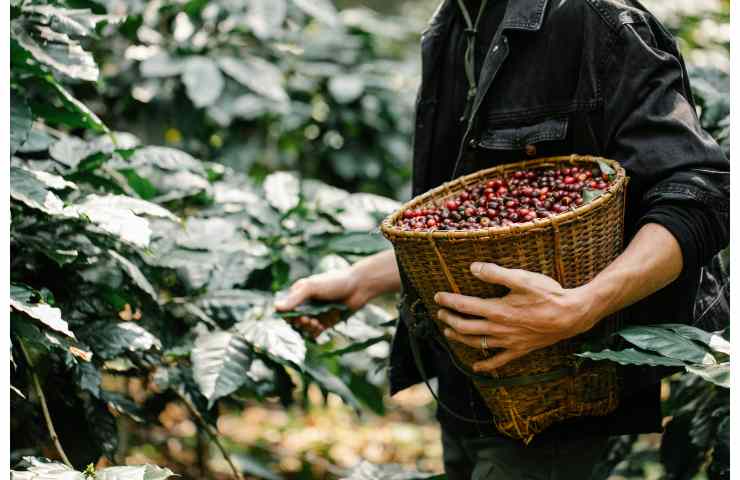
524 15
520 15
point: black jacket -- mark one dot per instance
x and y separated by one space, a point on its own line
599 77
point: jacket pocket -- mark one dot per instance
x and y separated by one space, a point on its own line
516 138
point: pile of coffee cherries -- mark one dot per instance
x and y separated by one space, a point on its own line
520 197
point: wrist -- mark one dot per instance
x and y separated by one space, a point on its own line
588 307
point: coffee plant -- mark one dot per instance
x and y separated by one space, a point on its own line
138 261
265 85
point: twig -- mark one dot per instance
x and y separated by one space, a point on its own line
44 408
211 433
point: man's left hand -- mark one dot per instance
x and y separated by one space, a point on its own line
536 313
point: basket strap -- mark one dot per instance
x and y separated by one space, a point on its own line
509 381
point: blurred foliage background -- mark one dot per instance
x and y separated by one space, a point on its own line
237 91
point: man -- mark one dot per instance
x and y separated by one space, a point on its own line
503 82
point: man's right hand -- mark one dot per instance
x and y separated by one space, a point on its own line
339 286
353 286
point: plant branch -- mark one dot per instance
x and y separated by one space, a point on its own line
212 433
44 407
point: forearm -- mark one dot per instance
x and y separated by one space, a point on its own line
652 260
378 274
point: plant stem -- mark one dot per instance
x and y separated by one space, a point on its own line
44 407
212 433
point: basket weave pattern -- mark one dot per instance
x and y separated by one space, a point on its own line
571 248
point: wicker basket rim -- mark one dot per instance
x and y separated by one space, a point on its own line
389 228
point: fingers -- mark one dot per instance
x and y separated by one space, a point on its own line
475 306
499 360
299 292
469 326
311 326
475 340
508 277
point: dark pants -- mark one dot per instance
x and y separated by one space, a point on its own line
500 458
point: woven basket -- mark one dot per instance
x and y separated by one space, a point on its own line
571 247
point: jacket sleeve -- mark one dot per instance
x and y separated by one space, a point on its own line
679 176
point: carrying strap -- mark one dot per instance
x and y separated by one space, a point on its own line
471 31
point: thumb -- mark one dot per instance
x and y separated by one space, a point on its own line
492 273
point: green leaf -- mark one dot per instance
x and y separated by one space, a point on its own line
265 17
203 80
44 313
70 151
138 472
221 361
711 340
165 158
314 309
44 469
606 168
370 471
282 190
65 55
230 306
717 374
52 181
26 188
254 467
86 116
331 383
257 74
110 340
356 347
631 356
21 121
37 141
358 243
135 274
346 88
102 425
589 195
666 343
322 10
161 65
119 215
271 334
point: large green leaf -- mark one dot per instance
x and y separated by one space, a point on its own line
85 116
717 374
710 339
135 274
256 74
371 471
282 190
138 472
21 120
667 343
42 312
630 356
119 215
331 383
358 243
111 339
37 141
322 10
44 469
203 80
230 306
70 151
265 17
271 334
65 55
26 188
221 361
165 158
